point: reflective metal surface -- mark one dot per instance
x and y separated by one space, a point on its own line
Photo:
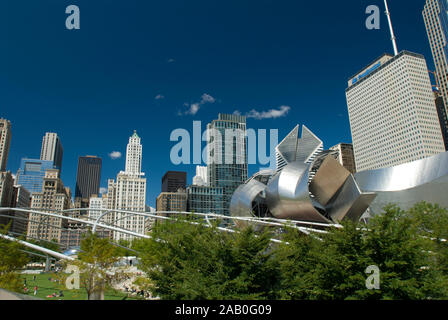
330 177
350 202
241 204
408 184
288 197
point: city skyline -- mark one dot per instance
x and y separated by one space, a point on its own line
278 75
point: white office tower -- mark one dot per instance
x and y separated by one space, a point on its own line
303 149
393 117
200 179
134 155
130 192
52 149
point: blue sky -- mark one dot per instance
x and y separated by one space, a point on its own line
95 85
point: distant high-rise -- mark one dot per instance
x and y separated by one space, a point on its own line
52 149
173 181
345 156
443 118
393 117
227 155
435 15
172 201
32 172
130 191
6 194
21 198
88 177
5 141
53 197
134 155
200 179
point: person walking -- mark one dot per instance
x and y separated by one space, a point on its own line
35 290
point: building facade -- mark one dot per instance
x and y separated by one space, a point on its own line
21 198
5 142
32 172
226 155
345 156
172 201
6 194
53 197
173 181
393 116
205 199
435 15
52 149
88 177
443 118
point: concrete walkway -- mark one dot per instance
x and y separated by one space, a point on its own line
8 295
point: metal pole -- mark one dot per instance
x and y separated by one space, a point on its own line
394 42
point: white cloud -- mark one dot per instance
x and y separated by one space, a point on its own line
115 155
194 107
103 190
159 97
270 114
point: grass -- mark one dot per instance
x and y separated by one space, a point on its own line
47 287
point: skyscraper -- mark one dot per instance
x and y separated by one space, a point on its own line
5 141
130 191
173 181
52 149
200 179
88 177
32 172
53 197
345 156
227 155
134 155
393 117
435 15
6 194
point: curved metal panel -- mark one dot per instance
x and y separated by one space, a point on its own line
244 196
408 184
328 180
350 202
405 176
287 195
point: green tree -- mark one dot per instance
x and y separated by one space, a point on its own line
334 267
96 263
191 261
11 260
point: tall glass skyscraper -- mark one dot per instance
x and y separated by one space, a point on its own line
227 155
88 177
32 172
435 14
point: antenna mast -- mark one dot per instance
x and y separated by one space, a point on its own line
394 43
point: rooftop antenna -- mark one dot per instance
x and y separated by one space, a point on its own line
394 42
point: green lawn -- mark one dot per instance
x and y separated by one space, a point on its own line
46 287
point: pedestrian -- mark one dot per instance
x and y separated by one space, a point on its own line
35 290
34 278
